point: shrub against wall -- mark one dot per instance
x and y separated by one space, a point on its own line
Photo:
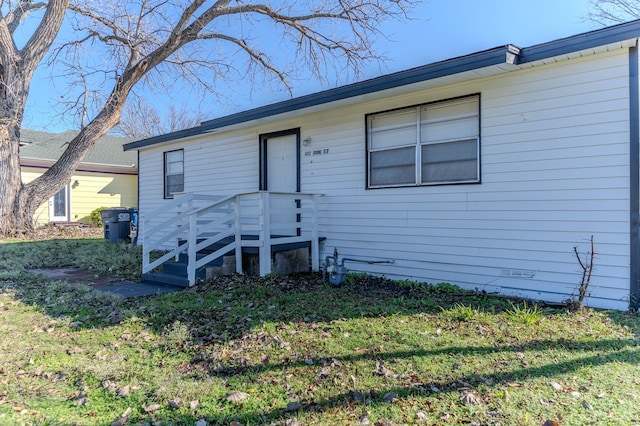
95 218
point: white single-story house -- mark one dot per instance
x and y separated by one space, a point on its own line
484 171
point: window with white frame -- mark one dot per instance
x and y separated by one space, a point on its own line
431 144
173 172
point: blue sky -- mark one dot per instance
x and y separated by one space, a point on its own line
440 29
449 28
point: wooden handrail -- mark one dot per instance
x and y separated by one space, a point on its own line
210 219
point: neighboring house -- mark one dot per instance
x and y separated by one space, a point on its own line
484 170
107 177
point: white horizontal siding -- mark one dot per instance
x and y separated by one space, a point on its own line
554 171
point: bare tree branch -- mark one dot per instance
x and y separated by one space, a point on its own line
141 120
607 12
20 12
116 50
40 42
259 57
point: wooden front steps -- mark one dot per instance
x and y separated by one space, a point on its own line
286 258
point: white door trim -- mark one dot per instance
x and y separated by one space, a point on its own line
60 205
264 147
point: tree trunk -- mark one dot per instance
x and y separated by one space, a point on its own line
16 70
10 179
12 101
25 199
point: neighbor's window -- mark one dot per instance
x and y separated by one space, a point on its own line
436 143
173 172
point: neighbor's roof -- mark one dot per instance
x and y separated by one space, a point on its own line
488 62
41 149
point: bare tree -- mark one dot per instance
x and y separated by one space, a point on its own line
607 12
106 48
141 120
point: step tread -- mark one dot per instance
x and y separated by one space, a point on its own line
165 278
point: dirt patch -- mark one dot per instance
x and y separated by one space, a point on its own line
79 276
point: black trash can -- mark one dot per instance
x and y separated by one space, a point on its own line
116 222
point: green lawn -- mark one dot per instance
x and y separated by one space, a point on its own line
294 350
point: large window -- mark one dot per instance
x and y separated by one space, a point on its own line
173 172
431 144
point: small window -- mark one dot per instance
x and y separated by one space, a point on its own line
437 143
173 173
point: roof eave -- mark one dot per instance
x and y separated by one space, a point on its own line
488 62
487 58
82 167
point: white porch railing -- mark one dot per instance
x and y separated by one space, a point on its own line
191 222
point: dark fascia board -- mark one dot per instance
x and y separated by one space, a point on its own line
423 73
414 75
576 43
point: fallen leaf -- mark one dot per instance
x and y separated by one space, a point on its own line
237 396
557 386
420 415
381 370
390 397
478 378
124 391
175 403
119 421
471 398
194 404
109 386
81 401
152 407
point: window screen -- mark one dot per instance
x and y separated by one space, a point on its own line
429 144
173 173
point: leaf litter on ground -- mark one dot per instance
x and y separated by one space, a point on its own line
387 349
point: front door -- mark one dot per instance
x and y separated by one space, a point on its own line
60 206
280 172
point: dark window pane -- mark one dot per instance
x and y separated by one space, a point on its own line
393 167
447 144
175 183
450 162
173 172
60 203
